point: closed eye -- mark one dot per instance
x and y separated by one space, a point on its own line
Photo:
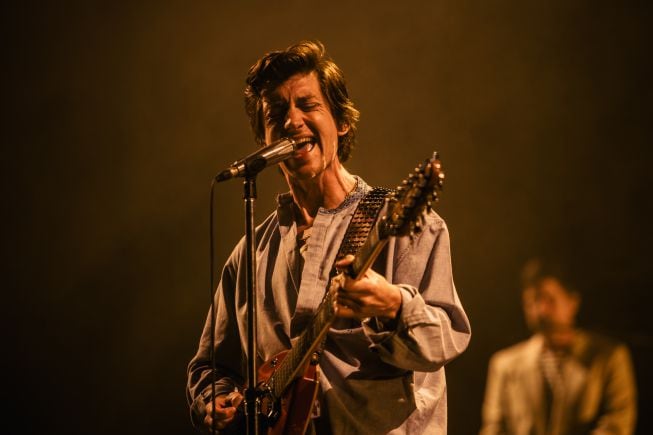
275 115
308 104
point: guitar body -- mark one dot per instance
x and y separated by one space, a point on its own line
291 414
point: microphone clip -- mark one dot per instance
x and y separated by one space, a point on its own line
254 163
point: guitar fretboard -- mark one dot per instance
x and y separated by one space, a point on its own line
309 340
303 348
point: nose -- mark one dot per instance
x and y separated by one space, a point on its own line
543 309
294 120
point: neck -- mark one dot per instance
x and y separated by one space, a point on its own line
561 339
327 190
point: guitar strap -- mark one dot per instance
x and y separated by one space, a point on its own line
362 222
359 227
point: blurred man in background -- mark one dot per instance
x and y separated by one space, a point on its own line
562 380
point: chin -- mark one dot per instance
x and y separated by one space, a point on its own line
305 172
305 175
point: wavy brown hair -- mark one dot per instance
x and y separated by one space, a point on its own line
276 67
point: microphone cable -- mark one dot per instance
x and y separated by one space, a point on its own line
212 308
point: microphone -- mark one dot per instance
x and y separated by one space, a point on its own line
254 163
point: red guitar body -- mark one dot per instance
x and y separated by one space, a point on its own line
291 414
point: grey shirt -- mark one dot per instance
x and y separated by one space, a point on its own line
374 380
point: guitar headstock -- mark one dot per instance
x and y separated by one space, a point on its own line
414 197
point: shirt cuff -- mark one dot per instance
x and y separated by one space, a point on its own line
379 331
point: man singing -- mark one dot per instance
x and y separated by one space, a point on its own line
382 361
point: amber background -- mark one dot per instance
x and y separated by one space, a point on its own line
117 115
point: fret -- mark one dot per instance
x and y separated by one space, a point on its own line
284 374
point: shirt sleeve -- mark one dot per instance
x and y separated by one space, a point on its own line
229 374
620 401
432 328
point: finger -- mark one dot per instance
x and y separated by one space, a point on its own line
351 286
222 419
223 414
349 301
345 311
370 274
221 403
349 306
234 399
220 411
338 280
343 285
345 261
352 313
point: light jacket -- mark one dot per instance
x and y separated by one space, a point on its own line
598 396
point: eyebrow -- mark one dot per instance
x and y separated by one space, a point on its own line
275 100
306 98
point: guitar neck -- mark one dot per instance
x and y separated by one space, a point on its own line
310 339
370 250
302 350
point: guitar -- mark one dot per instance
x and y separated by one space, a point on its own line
290 380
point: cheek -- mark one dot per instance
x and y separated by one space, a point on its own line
567 313
334 140
272 134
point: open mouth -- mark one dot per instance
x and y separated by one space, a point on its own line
305 144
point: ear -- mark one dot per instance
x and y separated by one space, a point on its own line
343 129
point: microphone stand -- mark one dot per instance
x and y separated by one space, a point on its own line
252 401
250 167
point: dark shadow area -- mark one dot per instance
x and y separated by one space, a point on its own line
118 114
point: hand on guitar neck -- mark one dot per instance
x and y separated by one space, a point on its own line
361 292
369 296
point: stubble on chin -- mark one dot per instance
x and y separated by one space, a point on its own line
299 174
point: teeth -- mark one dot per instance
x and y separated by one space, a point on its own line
305 141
